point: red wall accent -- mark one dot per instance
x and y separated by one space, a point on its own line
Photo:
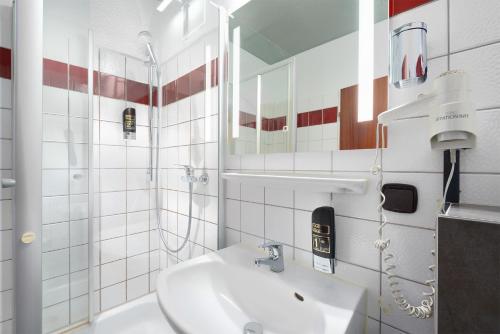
317 117
55 74
398 6
5 63
61 75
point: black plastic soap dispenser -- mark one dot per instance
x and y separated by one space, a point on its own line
129 123
323 239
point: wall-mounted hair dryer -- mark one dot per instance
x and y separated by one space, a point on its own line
452 117
452 126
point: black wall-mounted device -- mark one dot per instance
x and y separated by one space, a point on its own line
323 239
129 123
401 198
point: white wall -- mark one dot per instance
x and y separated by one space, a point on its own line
6 223
254 214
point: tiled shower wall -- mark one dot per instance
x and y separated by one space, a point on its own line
456 40
190 136
6 222
127 250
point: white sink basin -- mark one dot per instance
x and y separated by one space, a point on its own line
223 291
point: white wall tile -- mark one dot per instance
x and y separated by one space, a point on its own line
355 239
113 249
5 93
78 104
480 159
55 317
78 181
137 244
112 273
6 246
183 110
55 263
6 153
55 182
78 130
79 258
252 218
310 201
112 156
55 100
393 316
6 275
481 189
279 197
211 128
79 232
466 30
137 287
252 193
137 222
5 214
137 157
79 308
55 290
137 265
55 209
137 200
313 161
55 128
79 283
6 123
113 296
302 230
55 155
279 161
113 180
111 133
113 203
483 66
412 251
78 207
368 279
113 226
233 214
55 236
279 224
198 105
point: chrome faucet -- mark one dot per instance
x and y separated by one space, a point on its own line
275 259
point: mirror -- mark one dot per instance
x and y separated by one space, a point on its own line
294 75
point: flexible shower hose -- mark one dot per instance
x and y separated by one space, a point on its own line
157 183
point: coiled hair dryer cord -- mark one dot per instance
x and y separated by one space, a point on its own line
425 309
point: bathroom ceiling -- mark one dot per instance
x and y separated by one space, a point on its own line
273 30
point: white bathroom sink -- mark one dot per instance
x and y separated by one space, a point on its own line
223 291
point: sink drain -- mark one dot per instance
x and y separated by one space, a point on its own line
253 328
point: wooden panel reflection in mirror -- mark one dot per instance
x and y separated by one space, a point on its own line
354 135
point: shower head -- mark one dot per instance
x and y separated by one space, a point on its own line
146 38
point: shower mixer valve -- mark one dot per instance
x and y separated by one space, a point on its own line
189 177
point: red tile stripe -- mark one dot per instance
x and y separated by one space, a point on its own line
308 118
189 84
399 6
5 63
317 117
61 75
